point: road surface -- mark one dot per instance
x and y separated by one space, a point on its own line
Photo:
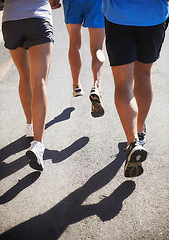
82 193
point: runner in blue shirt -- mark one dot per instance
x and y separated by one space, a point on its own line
135 31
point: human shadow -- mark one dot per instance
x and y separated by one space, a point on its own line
21 185
55 155
23 143
70 210
58 156
16 146
65 115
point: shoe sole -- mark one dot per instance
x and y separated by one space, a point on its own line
33 161
133 167
97 106
77 94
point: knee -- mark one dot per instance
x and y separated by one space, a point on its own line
37 83
98 59
24 77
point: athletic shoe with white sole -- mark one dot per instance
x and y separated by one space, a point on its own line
29 131
35 155
135 155
142 135
77 91
96 100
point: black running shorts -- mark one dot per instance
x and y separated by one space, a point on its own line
26 33
126 44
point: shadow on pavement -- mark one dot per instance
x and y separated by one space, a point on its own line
6 169
58 156
22 143
53 223
65 115
21 185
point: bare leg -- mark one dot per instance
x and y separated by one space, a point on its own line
143 91
20 58
125 101
39 58
97 36
74 31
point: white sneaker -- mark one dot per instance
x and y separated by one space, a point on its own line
35 155
29 131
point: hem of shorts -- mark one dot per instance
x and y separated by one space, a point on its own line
31 45
11 48
120 64
39 43
85 26
93 26
148 62
145 62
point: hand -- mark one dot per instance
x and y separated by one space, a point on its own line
55 4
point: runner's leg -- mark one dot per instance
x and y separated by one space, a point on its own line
20 59
97 36
143 91
74 31
39 59
125 101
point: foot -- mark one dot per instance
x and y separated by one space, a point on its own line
142 136
35 155
77 91
96 100
135 155
29 132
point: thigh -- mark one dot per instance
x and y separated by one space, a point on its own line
123 75
39 60
20 59
142 72
97 36
74 31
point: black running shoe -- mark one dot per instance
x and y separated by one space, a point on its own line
135 155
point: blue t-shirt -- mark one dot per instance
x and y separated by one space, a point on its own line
136 13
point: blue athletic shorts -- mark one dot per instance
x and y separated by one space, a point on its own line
85 12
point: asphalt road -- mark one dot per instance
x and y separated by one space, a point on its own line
82 193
